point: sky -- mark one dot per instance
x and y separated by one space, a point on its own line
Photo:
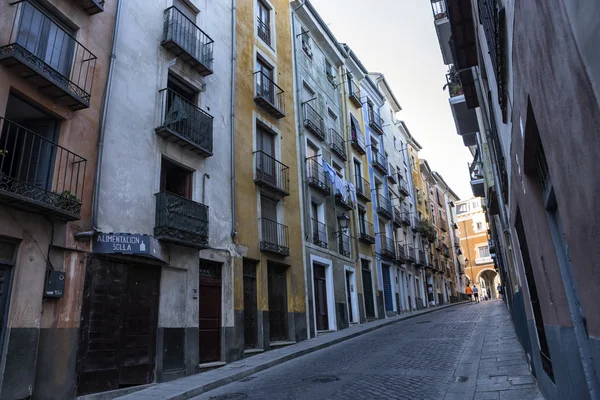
398 39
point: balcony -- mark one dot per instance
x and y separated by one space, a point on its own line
344 201
319 233
445 250
274 237
438 244
337 144
50 59
379 161
397 216
358 141
268 95
91 6
181 221
315 174
38 175
354 93
443 225
456 241
314 122
185 124
415 223
366 232
388 249
400 253
405 216
384 207
264 31
187 42
363 189
477 180
375 121
392 174
410 254
344 245
442 27
270 174
403 187
420 261
465 119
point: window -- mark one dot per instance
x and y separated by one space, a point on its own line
175 179
475 204
306 46
362 219
479 226
333 123
462 208
185 9
264 22
413 163
484 251
330 72
264 83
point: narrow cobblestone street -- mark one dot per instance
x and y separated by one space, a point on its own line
464 352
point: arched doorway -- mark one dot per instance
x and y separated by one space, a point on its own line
488 279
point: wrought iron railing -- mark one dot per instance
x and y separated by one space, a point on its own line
313 121
274 237
415 221
264 31
38 172
375 121
410 251
358 140
188 122
387 246
363 188
319 233
344 245
269 94
384 206
354 92
271 172
337 144
445 250
400 252
403 186
379 160
315 174
189 39
397 215
366 231
443 225
181 220
392 174
51 52
421 260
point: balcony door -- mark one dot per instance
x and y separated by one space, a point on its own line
264 83
267 165
268 214
175 179
320 282
46 37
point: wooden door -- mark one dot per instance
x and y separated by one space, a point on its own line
250 306
349 295
320 289
368 291
5 273
387 288
277 304
209 312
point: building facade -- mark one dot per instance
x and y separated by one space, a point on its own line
54 62
537 197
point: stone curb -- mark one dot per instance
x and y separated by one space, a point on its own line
180 392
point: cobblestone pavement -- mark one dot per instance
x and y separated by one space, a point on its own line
463 352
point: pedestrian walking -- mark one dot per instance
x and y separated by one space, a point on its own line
476 294
469 292
499 287
489 294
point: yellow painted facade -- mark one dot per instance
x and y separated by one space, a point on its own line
248 113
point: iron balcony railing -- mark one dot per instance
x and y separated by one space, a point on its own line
264 31
387 246
375 121
445 250
400 252
180 220
319 233
189 43
354 93
454 85
269 95
366 231
92 6
45 54
38 174
397 216
379 161
403 186
358 141
184 123
344 245
363 188
415 223
271 173
405 216
391 174
456 241
337 144
384 207
421 259
410 251
313 121
443 225
315 174
274 237
345 202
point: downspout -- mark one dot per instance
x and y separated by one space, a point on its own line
100 151
232 122
301 149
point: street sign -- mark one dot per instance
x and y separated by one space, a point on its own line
129 243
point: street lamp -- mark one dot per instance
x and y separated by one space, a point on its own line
343 224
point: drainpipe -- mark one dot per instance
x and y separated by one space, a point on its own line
301 150
232 122
100 151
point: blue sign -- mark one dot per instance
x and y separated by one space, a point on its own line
129 243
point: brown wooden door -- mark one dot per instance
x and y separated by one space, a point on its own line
209 322
277 304
119 318
250 306
320 297
368 292
349 295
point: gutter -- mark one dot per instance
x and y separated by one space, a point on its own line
100 151
233 66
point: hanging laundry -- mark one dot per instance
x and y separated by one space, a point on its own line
352 190
329 172
340 187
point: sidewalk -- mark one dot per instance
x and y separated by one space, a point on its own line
195 385
493 365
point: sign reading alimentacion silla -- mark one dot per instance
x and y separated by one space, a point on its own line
128 243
